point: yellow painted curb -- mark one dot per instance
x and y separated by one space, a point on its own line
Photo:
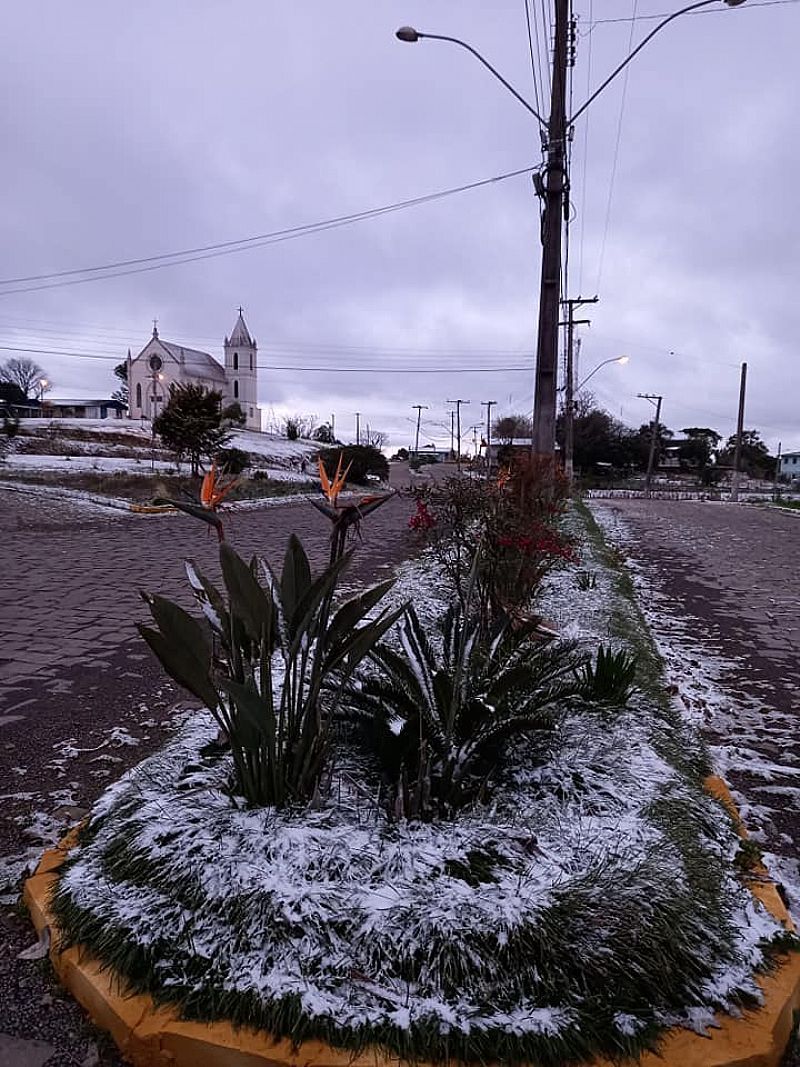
153 509
149 1036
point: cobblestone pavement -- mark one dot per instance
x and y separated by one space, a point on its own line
81 698
719 585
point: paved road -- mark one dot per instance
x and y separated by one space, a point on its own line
721 589
81 698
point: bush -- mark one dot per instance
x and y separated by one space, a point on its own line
234 414
233 460
361 459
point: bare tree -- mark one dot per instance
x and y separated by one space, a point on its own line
375 438
22 372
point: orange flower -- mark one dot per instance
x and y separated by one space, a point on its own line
503 476
213 490
331 489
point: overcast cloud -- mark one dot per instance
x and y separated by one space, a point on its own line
131 130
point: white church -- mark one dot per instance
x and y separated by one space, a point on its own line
161 364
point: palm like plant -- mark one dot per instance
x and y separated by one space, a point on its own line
437 719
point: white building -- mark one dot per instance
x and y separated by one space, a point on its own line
789 466
161 364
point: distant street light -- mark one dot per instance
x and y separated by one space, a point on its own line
42 385
569 414
552 186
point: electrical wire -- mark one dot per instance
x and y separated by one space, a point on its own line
539 106
665 14
615 162
585 160
545 35
144 264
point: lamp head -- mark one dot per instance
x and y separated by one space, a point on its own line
44 383
622 360
734 3
409 34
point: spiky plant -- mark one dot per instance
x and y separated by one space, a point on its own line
437 714
609 679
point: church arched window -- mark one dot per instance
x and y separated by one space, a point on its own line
235 360
138 394
251 361
236 390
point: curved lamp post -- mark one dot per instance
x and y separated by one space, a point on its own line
621 360
552 189
569 414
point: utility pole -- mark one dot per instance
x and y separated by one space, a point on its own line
569 397
419 408
488 404
452 434
333 425
555 206
653 436
458 404
358 427
737 455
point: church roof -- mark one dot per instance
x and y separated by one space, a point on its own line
241 335
194 360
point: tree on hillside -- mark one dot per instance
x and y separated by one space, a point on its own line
22 372
324 434
121 374
699 447
297 426
511 427
755 458
191 424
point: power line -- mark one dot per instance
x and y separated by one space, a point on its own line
539 106
291 367
585 160
616 152
666 14
144 264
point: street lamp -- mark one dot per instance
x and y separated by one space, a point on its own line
569 414
42 385
552 187
621 360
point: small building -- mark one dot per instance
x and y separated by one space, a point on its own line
80 409
789 466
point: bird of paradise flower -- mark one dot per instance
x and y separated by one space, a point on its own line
344 517
213 491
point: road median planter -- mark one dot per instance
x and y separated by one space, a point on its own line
153 1036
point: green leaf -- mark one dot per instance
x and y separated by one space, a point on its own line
362 641
210 600
353 611
248 600
296 576
178 625
253 712
184 664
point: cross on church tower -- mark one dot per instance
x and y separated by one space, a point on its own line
155 327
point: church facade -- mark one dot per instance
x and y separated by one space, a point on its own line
161 364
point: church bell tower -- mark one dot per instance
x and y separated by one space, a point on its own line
241 372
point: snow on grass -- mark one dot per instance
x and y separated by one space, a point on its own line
747 735
589 903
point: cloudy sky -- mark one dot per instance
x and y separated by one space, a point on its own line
133 130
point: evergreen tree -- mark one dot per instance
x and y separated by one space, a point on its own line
191 424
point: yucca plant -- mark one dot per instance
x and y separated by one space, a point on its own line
610 678
277 644
437 716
